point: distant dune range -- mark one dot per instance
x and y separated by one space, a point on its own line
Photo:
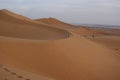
52 50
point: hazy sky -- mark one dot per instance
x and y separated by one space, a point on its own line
72 11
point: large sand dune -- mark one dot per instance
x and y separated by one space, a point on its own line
27 45
20 27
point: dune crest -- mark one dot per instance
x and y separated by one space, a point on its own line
55 23
79 30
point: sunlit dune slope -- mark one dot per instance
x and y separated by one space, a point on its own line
55 23
13 25
69 59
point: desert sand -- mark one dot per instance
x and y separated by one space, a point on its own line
33 49
55 23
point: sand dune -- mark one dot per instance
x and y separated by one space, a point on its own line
55 23
11 26
27 45
81 30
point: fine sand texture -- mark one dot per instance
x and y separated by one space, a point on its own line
33 49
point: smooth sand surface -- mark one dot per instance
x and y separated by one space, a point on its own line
27 45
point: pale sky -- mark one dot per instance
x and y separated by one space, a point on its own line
72 11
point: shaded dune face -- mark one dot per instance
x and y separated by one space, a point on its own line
19 27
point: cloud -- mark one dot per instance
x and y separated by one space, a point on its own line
73 11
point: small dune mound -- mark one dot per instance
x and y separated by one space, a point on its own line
55 22
14 25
